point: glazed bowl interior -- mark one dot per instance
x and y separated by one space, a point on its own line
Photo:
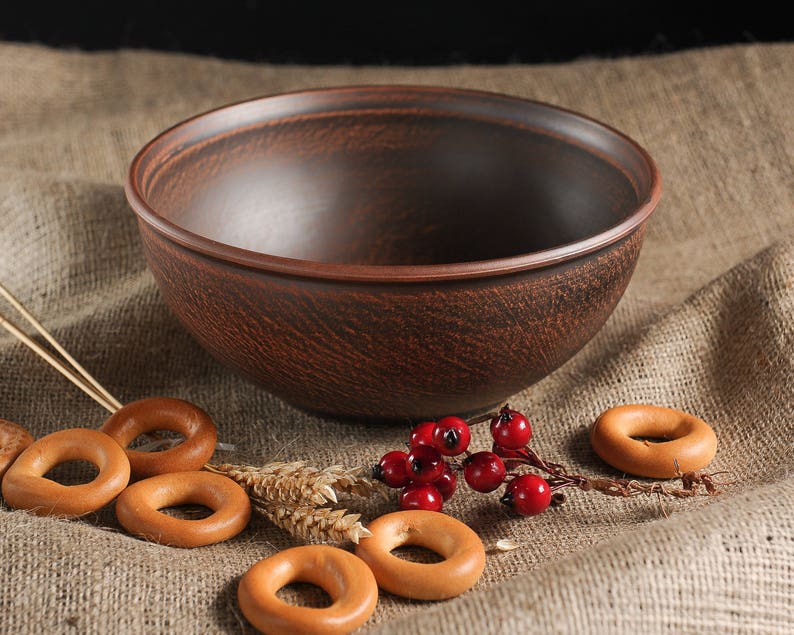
316 179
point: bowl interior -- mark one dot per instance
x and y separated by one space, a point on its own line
414 182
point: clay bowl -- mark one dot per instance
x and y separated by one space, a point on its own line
392 251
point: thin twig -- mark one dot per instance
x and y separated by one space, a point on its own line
56 364
54 343
486 416
560 478
77 374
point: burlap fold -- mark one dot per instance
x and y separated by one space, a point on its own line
706 326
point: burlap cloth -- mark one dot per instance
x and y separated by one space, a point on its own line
706 326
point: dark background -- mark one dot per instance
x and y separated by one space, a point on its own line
391 33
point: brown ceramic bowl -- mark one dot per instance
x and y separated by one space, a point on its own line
392 251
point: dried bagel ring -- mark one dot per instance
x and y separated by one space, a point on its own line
690 443
163 413
137 508
13 439
347 579
461 548
24 485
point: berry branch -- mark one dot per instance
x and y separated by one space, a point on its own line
427 479
559 478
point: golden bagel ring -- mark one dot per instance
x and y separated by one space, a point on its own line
461 548
340 574
24 485
137 508
163 413
13 439
689 441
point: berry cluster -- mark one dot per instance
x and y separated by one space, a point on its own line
427 480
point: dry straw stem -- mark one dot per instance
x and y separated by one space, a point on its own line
79 376
313 523
298 483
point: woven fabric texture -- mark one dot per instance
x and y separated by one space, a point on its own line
706 326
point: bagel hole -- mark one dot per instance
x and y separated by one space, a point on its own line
647 440
156 441
77 472
415 553
304 594
187 512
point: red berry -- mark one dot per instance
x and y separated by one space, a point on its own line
424 464
527 495
421 496
510 429
391 469
447 482
422 434
451 436
484 471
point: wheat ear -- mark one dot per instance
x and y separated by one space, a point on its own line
295 497
296 482
314 523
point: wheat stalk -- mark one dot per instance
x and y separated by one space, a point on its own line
298 483
313 523
295 497
285 482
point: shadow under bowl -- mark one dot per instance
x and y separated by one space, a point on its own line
392 252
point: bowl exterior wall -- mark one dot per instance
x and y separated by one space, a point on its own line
392 350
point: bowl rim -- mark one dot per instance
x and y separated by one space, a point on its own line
389 273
